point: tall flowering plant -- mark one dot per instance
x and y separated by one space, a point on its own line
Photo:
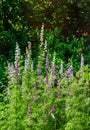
45 98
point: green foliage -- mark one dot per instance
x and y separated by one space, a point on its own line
62 20
77 110
39 100
3 73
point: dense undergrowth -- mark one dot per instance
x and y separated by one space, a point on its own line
45 96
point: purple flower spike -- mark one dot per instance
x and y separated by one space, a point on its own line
47 61
16 65
70 70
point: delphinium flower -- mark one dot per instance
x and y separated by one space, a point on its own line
17 52
32 69
42 34
26 64
61 68
17 59
45 46
11 70
70 70
42 47
82 66
47 68
28 57
82 61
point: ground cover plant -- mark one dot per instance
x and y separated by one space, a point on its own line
45 96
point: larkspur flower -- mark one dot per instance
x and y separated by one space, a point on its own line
28 58
82 61
11 70
29 45
45 46
16 65
32 67
42 34
70 70
17 53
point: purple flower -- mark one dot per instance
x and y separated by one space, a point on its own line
16 65
47 61
70 70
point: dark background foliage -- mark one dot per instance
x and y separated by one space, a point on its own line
21 21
